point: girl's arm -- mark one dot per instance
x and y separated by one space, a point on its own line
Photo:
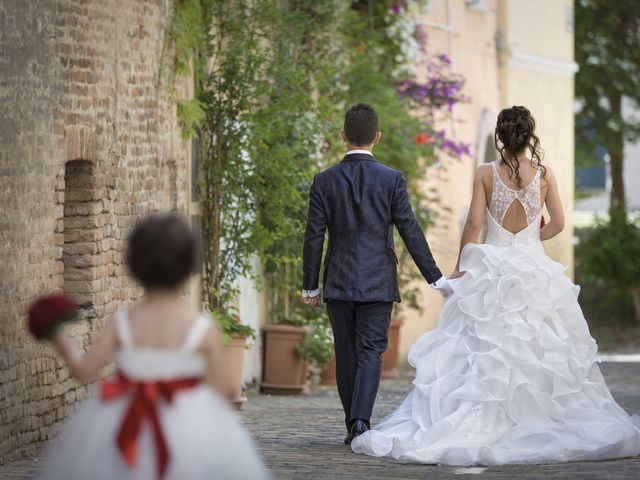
475 218
554 206
86 367
217 377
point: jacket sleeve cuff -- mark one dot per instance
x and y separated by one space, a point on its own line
438 283
310 293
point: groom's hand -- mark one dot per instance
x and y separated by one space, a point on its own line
443 286
311 298
313 302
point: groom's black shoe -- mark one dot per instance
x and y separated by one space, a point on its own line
358 427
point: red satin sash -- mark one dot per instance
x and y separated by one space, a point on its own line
143 407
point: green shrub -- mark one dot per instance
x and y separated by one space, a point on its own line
608 268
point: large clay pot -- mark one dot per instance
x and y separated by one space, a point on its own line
233 360
328 374
284 371
390 357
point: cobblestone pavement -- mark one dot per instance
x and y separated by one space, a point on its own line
301 438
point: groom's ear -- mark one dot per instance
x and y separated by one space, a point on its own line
376 139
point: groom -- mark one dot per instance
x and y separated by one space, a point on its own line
360 200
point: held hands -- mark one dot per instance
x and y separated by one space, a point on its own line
443 286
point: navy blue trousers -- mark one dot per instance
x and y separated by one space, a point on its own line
360 338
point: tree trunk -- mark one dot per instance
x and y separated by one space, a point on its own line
635 295
616 155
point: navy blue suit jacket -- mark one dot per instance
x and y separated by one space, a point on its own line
359 201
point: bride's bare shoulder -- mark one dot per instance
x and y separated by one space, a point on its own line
484 169
548 174
484 172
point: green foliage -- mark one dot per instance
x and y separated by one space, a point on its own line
191 114
608 263
273 79
317 347
230 325
607 49
185 41
228 91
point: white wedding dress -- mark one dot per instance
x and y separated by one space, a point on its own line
204 437
510 373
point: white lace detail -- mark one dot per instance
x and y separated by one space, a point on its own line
502 197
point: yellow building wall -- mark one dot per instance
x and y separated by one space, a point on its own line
536 69
510 52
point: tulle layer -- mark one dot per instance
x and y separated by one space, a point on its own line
509 375
204 437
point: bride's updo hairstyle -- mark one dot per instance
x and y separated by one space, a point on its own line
162 252
515 133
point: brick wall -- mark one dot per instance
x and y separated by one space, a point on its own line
88 143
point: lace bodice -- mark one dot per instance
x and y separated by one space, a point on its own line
502 197
160 363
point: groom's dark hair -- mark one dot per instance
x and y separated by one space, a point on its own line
361 125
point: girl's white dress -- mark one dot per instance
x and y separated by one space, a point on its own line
204 439
510 373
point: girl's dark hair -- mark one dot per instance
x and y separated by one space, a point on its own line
515 132
162 252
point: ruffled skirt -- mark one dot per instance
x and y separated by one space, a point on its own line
204 437
509 375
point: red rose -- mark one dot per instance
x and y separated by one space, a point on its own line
48 313
542 222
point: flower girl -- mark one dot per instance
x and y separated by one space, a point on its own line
156 418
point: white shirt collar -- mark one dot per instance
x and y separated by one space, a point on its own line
360 151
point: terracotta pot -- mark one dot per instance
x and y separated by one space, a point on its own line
328 374
284 371
390 356
233 358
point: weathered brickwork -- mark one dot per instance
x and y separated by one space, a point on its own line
88 143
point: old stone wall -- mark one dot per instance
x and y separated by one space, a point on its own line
88 143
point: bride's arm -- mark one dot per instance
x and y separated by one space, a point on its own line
554 207
475 218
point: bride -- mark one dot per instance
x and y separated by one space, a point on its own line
509 375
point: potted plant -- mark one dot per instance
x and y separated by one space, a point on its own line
235 336
284 368
328 373
317 348
391 354
389 367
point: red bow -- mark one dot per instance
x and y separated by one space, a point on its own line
143 406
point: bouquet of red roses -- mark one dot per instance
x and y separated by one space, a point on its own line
48 313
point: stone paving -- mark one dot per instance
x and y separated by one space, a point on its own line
301 438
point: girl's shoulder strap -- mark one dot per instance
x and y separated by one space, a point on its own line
197 332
